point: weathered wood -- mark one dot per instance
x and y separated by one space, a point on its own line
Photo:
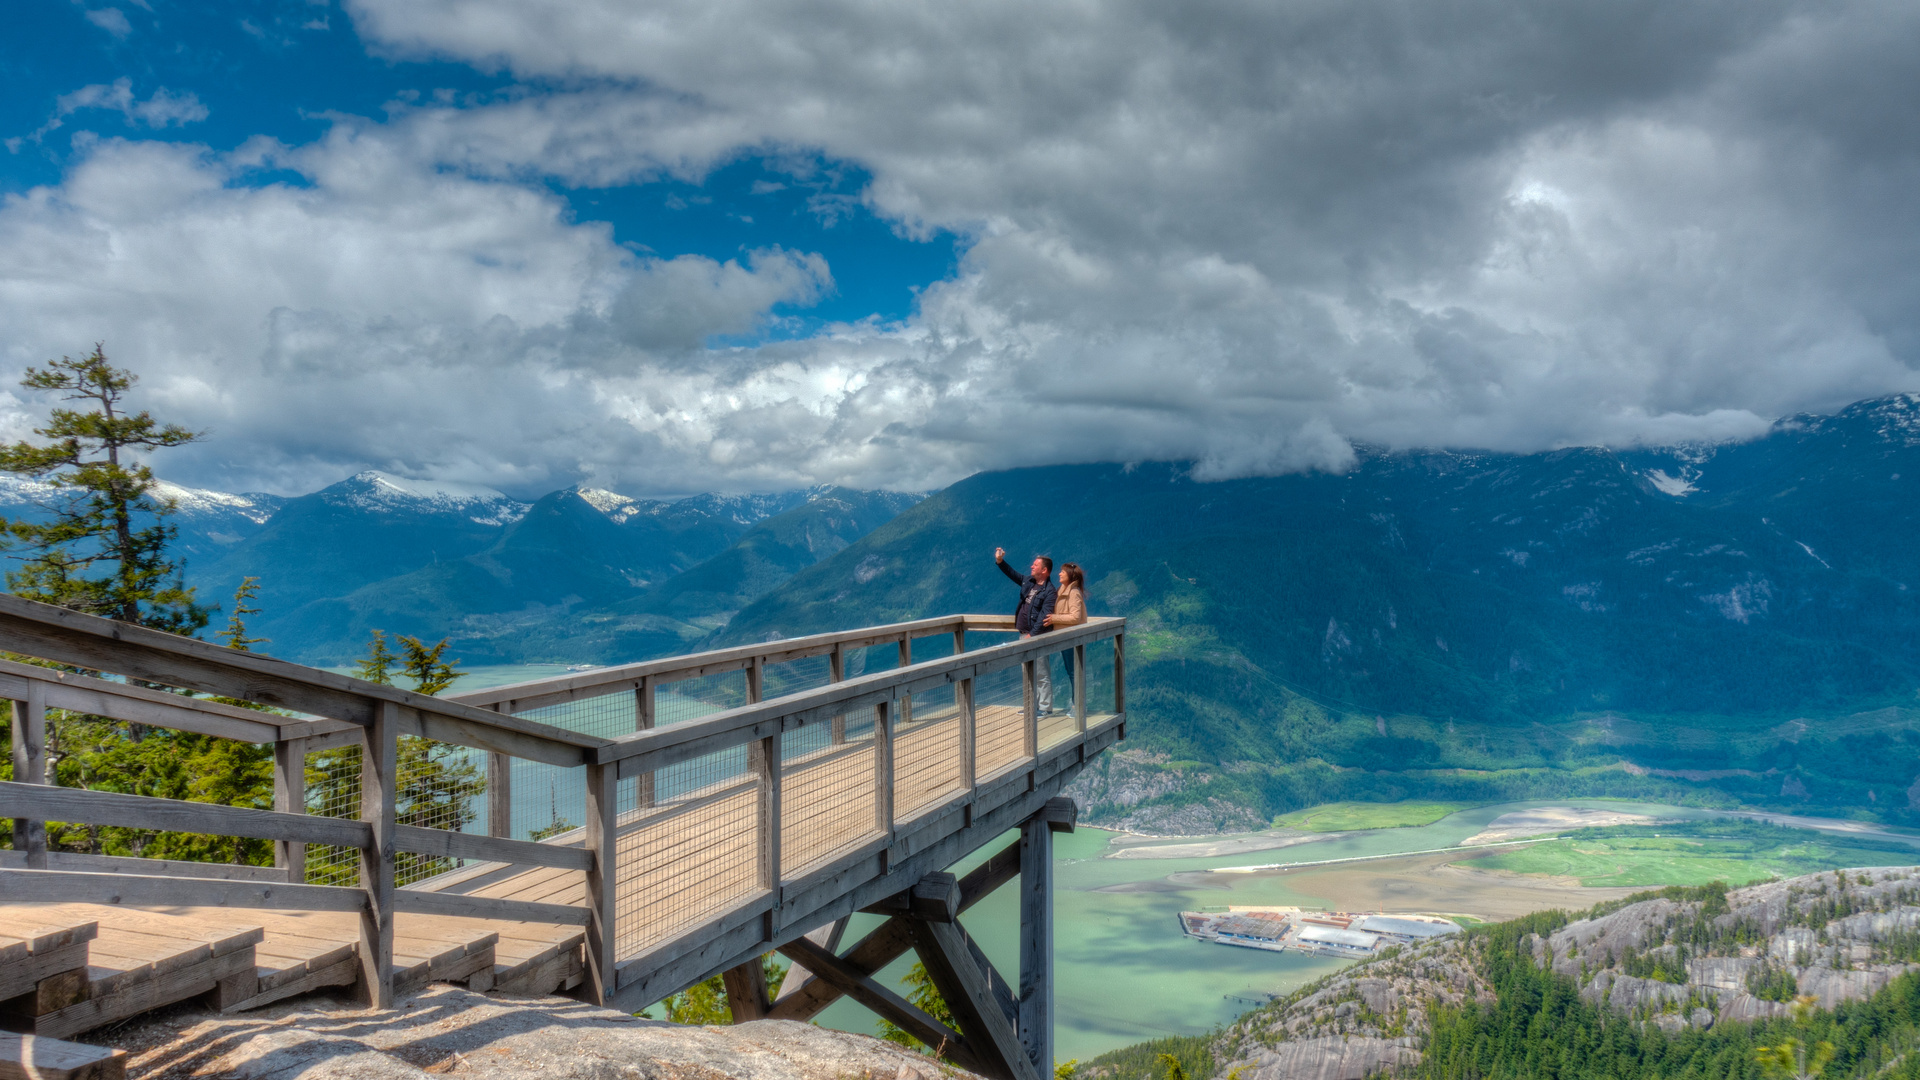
828 938
144 994
603 878
36 1057
22 974
499 794
963 696
290 797
747 994
967 990
883 769
421 902
379 748
1120 673
341 973
935 897
458 845
1030 702
857 984
30 767
119 701
1080 687
120 864
1036 939
138 890
172 815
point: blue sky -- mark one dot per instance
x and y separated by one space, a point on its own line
741 245
281 68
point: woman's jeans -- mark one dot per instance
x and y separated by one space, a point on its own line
1066 658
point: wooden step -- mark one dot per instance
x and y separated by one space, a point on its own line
44 962
36 1057
140 960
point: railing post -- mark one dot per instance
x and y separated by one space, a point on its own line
499 794
30 767
290 797
837 672
1080 687
379 748
756 678
960 639
1119 673
883 770
1030 733
763 757
963 697
906 660
643 720
603 839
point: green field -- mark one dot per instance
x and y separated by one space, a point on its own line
1738 853
1348 816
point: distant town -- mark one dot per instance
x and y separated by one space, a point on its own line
1319 933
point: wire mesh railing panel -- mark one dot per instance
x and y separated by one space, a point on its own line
1099 676
926 753
333 790
999 721
987 639
827 774
795 676
609 715
436 786
690 699
883 657
690 847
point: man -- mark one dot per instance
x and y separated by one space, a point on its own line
1030 618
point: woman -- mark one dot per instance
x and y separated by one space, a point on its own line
1069 609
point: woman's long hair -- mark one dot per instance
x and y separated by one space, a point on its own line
1074 577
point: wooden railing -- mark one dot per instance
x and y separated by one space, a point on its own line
704 839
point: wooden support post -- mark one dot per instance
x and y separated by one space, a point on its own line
30 767
603 839
906 700
883 770
959 639
906 651
379 749
747 995
837 672
1119 673
857 983
963 697
1030 725
499 794
1036 941
1080 687
763 758
643 720
290 797
756 677
968 990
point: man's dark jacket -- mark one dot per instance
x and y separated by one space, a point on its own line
1036 600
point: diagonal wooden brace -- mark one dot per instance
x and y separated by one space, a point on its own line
827 967
891 940
969 991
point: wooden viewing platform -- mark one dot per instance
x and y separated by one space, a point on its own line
815 791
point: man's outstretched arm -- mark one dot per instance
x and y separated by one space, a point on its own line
1000 560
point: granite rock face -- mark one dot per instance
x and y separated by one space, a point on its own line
449 1031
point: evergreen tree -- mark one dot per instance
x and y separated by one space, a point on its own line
925 996
235 634
96 555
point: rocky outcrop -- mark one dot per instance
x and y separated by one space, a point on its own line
449 1031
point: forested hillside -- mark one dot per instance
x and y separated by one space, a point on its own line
1683 982
1730 624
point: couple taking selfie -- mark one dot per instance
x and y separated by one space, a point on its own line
1047 604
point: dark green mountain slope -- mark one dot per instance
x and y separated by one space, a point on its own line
1549 622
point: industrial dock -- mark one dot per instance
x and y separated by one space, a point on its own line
1356 934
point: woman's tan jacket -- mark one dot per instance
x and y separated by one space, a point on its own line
1069 608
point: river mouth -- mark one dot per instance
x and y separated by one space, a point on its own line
1125 972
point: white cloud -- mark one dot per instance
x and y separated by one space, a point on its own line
164 109
112 20
1240 233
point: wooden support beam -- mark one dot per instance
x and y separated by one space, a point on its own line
141 890
1030 712
1119 673
174 815
499 794
935 897
828 938
379 748
860 986
30 767
603 843
748 998
968 991
1036 940
969 729
459 905
290 797
458 845
837 672
892 939
883 769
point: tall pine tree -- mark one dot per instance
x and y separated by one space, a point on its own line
105 550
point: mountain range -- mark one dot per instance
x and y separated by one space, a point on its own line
1730 624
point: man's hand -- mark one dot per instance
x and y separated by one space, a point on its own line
999 554
1047 621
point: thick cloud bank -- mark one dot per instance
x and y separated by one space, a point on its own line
1244 233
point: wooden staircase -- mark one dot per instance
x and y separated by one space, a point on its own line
66 969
